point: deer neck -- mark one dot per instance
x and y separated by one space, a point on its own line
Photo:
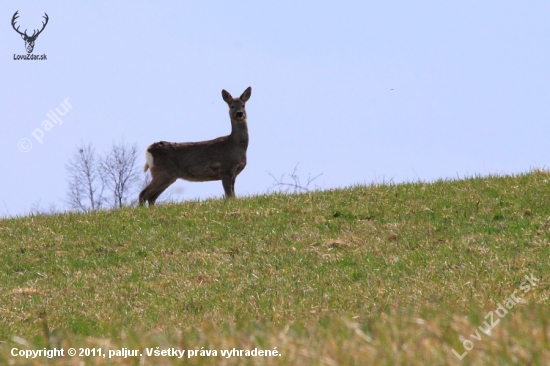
239 133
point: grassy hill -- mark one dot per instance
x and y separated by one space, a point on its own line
386 275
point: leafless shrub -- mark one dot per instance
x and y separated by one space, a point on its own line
293 185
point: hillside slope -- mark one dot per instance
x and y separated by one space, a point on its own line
390 274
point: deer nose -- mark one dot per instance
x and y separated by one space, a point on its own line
240 114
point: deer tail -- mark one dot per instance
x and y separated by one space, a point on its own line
149 161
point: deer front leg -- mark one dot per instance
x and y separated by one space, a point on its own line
227 186
233 185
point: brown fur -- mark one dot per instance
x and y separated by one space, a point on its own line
219 159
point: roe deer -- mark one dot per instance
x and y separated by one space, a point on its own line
219 159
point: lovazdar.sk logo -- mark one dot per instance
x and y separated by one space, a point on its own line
29 40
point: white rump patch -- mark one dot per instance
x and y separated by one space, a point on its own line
149 159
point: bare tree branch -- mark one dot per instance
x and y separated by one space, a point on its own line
118 168
86 185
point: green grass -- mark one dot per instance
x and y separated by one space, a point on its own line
386 275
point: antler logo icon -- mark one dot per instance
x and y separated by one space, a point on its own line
29 40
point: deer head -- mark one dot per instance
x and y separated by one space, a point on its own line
29 40
237 112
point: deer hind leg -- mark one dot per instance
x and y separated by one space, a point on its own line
159 191
155 189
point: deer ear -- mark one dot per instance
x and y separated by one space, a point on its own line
226 96
246 94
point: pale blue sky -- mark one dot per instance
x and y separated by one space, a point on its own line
360 91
